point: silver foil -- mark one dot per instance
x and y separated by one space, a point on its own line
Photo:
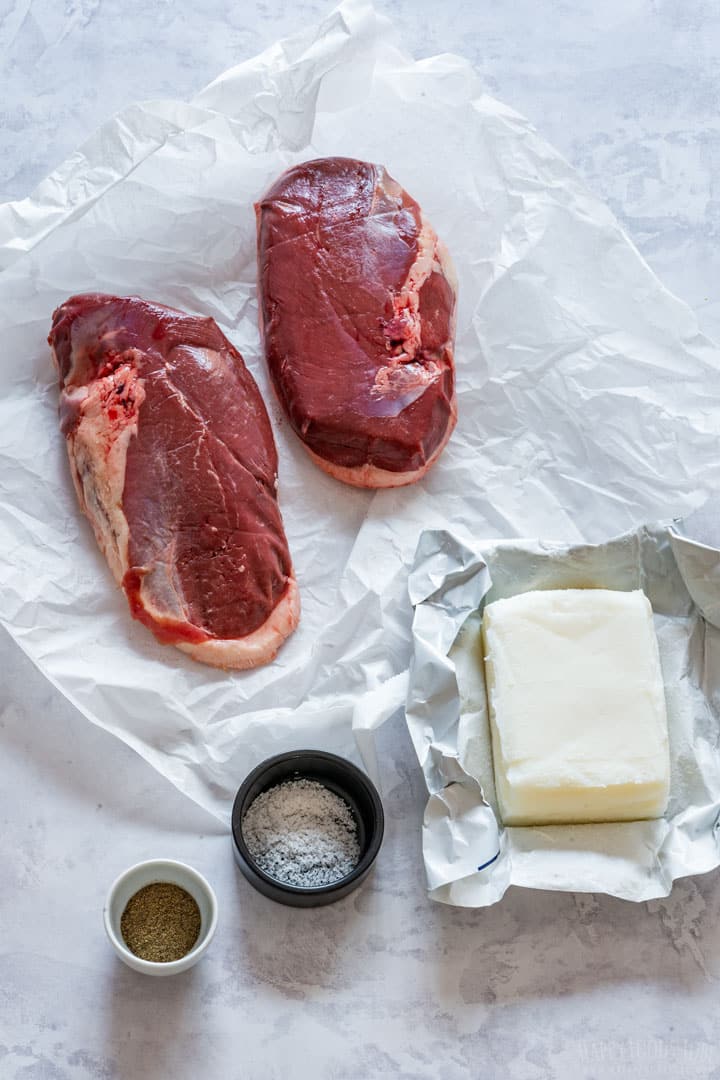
470 857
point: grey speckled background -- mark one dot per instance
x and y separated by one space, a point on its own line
384 984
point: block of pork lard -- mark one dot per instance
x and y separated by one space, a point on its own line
174 463
577 707
357 312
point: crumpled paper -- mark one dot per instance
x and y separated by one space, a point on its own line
470 858
584 388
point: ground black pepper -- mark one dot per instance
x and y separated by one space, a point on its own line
161 922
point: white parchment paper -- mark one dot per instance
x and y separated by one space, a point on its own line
470 858
586 395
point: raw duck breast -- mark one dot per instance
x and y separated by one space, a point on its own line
357 309
174 463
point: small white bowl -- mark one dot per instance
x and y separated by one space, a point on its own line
145 873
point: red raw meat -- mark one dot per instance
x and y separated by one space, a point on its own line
357 306
174 463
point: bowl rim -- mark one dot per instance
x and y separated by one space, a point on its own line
167 967
360 867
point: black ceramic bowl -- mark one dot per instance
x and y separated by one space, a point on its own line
340 776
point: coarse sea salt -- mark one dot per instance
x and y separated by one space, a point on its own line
302 834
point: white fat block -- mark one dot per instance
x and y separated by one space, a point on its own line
577 707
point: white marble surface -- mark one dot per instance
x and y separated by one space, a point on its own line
384 983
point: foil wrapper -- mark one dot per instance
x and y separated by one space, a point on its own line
470 857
